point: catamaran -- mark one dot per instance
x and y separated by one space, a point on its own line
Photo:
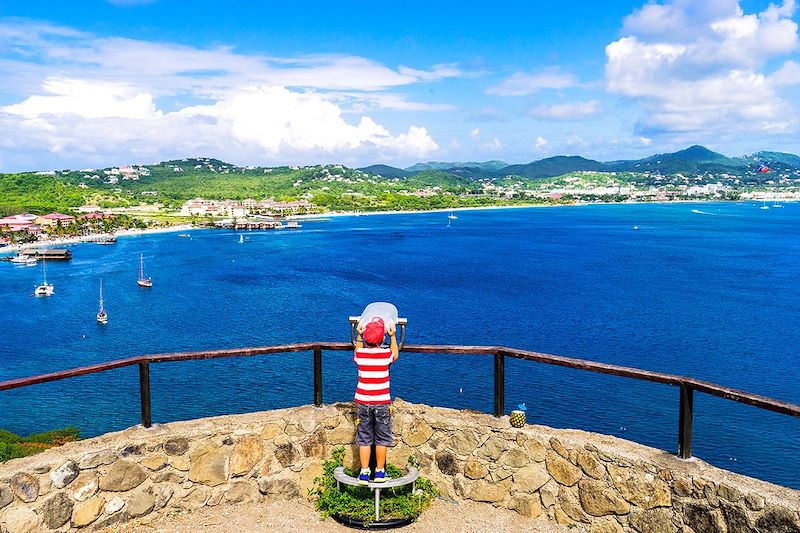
102 316
45 289
452 215
143 281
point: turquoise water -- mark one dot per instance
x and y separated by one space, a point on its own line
705 290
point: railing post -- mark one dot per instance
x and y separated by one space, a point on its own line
318 377
499 384
685 422
144 393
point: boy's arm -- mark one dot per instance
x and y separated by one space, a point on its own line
359 344
393 346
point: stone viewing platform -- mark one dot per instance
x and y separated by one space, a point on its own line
594 482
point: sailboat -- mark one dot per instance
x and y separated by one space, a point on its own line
241 239
452 216
102 316
45 289
143 281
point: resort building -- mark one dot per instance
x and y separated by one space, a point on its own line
53 220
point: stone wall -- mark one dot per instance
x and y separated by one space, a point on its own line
597 482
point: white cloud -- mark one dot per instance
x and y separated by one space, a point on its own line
697 68
475 133
541 144
494 146
180 100
566 111
523 83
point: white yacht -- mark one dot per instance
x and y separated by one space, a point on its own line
45 289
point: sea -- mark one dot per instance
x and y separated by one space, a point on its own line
707 290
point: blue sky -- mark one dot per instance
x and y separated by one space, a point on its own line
107 82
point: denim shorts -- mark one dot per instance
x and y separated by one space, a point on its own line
374 425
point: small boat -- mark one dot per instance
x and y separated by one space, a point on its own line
184 235
106 240
241 239
777 205
143 281
22 259
636 227
102 316
293 224
45 289
452 216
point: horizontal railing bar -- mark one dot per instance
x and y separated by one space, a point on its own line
580 364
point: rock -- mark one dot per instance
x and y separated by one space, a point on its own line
682 487
591 465
195 498
729 493
162 494
282 486
84 486
606 525
309 473
122 476
777 520
84 513
562 470
6 496
285 452
24 486
314 446
114 505
242 491
640 488
132 450
754 502
493 448
177 446
474 469
22 520
447 463
215 499
93 460
272 430
64 474
526 505
657 520
154 462
462 442
483 491
536 450
246 453
179 462
514 458
735 517
531 478
702 519
417 432
168 476
599 499
559 448
549 493
568 501
209 464
562 518
56 510
141 503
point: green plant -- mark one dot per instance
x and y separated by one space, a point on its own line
13 446
358 503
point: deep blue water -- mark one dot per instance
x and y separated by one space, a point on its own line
706 290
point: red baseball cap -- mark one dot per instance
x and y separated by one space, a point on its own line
374 332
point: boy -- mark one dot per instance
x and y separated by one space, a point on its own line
374 420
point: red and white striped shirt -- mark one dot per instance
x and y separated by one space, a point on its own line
373 375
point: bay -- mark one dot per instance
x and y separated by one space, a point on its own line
702 290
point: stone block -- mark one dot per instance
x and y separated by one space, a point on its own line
475 469
22 520
526 505
93 460
562 470
154 462
483 491
659 520
599 499
247 452
447 463
85 486
417 432
122 476
514 458
114 505
177 446
288 488
209 464
84 513
6 496
462 442
141 503
703 519
776 519
56 510
243 491
272 430
640 488
591 465
531 478
315 445
24 486
64 474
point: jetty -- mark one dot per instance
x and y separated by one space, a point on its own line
50 254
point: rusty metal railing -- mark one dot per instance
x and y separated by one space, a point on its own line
686 385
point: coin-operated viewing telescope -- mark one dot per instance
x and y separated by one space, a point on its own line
386 312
